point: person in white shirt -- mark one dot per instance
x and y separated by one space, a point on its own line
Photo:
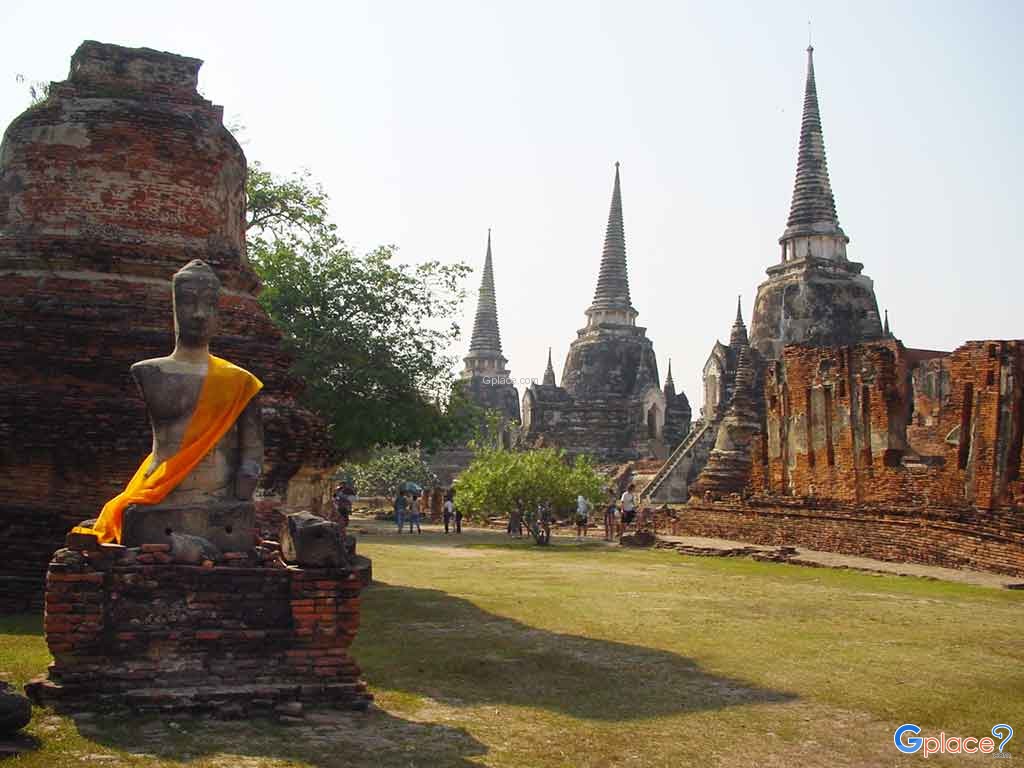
582 516
449 512
628 505
415 519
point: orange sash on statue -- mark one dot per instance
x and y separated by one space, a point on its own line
226 391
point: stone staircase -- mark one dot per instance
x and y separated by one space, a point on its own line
669 484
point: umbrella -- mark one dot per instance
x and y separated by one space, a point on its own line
410 487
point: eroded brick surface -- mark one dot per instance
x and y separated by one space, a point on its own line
878 450
236 638
123 175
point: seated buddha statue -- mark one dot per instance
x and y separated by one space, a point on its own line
207 433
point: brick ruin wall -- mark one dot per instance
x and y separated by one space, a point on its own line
886 452
608 427
846 424
118 179
953 538
239 639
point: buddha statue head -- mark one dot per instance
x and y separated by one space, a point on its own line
196 292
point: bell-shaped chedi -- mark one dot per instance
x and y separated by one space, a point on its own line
814 295
609 403
108 187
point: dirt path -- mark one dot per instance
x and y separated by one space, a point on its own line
373 527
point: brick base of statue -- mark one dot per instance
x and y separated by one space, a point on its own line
129 629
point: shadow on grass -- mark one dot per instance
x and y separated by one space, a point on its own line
428 643
22 624
18 744
325 739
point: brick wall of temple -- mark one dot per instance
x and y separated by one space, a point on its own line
118 179
608 427
848 424
886 452
954 538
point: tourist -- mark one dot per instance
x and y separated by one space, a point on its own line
609 515
457 512
414 518
343 497
449 510
628 504
582 516
401 504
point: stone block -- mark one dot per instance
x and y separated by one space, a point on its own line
15 710
311 541
229 526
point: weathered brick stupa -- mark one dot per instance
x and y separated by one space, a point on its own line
814 295
170 600
120 177
610 403
830 434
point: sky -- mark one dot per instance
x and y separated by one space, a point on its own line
427 123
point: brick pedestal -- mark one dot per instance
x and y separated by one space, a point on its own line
234 639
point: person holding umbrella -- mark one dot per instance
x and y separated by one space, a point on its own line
413 507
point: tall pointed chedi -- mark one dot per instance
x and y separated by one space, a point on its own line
549 373
611 354
813 208
814 295
485 376
610 403
485 342
611 297
738 335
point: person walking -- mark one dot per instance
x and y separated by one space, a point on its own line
449 511
458 514
414 518
628 504
609 515
401 504
582 516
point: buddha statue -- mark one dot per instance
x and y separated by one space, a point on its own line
207 435
170 387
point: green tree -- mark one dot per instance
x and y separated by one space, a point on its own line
369 334
534 487
386 470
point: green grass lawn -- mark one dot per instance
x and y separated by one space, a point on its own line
486 651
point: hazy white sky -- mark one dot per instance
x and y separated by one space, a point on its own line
429 122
